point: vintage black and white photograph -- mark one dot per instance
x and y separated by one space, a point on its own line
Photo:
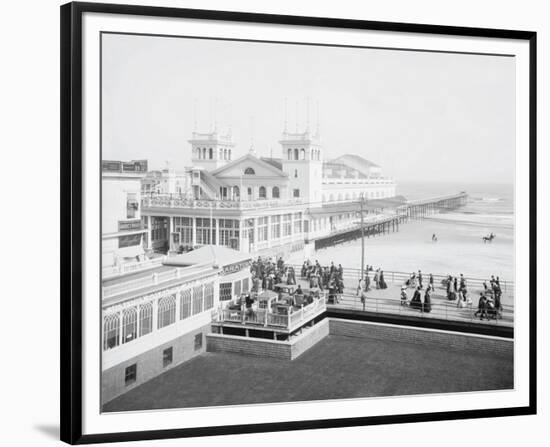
284 222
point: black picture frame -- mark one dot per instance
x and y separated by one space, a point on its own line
71 219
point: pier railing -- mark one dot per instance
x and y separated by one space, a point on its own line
396 277
440 310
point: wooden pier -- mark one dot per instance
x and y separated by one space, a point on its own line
390 221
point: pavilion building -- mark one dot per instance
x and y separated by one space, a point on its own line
258 204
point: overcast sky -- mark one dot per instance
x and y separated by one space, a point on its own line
421 116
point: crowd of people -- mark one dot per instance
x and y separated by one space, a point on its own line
266 273
330 278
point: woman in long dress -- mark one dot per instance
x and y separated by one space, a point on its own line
427 300
381 281
416 301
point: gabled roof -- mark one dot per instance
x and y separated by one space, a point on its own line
252 159
275 162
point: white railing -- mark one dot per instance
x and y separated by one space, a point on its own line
263 317
175 201
122 269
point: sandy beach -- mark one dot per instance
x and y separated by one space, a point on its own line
459 248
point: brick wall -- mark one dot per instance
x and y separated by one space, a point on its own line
380 331
309 338
150 363
287 350
249 346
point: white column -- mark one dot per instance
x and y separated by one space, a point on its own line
149 245
193 232
178 299
217 232
255 223
269 231
155 315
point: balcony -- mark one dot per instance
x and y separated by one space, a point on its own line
175 201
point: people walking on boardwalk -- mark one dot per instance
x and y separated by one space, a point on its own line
381 281
361 292
462 282
367 282
432 281
427 300
411 282
434 238
416 301
376 279
404 296
482 307
420 279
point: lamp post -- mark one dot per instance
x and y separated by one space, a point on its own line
362 240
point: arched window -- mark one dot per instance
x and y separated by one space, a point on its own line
111 331
225 154
145 318
295 173
204 153
236 192
290 154
167 311
331 198
220 157
129 325
303 154
275 192
229 154
347 196
339 196
210 154
324 198
296 154
199 153
261 192
249 171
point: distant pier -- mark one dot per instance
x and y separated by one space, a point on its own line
390 220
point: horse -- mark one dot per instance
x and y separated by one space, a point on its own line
488 238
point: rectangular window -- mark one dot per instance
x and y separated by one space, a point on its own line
245 285
297 223
198 341
206 234
275 227
296 193
287 229
229 232
209 296
184 227
167 357
237 287
262 229
225 291
185 304
159 228
129 241
130 374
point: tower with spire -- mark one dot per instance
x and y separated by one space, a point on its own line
302 159
213 149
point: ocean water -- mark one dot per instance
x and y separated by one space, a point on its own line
459 249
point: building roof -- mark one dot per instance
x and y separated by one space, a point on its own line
356 162
220 255
270 167
275 162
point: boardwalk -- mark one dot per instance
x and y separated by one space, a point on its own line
387 301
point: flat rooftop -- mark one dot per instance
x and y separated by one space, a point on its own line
337 367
